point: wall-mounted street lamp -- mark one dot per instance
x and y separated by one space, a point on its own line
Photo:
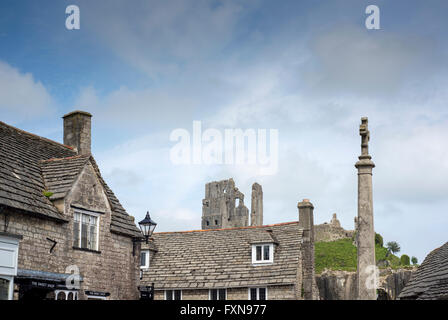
147 226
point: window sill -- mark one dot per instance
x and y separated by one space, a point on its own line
87 250
262 263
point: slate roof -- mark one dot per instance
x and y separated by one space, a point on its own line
430 281
60 174
222 258
30 164
21 182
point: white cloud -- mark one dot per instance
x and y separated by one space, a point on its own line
164 35
21 95
350 60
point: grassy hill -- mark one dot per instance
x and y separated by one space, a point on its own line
342 255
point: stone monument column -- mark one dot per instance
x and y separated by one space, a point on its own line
365 230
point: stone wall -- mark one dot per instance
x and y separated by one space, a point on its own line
342 285
327 232
112 268
284 292
394 281
337 285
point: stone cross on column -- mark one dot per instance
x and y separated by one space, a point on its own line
365 136
365 229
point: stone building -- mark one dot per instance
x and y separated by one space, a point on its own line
430 281
220 210
248 262
58 217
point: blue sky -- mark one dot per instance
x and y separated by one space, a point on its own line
307 68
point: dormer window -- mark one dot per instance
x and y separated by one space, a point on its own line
262 253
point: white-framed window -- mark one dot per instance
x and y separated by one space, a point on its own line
173 294
258 293
6 287
217 294
144 259
263 253
66 295
85 229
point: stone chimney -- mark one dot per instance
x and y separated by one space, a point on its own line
77 131
256 208
306 222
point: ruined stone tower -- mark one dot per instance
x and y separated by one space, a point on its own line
256 207
335 222
220 210
365 229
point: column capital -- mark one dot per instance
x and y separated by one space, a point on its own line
365 163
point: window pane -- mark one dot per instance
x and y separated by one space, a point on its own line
253 294
222 294
92 237
177 295
261 293
143 259
4 289
213 294
169 295
76 233
84 229
266 253
258 252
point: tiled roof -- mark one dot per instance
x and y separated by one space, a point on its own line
430 281
21 183
59 174
222 258
30 165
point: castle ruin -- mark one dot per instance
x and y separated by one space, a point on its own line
220 210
